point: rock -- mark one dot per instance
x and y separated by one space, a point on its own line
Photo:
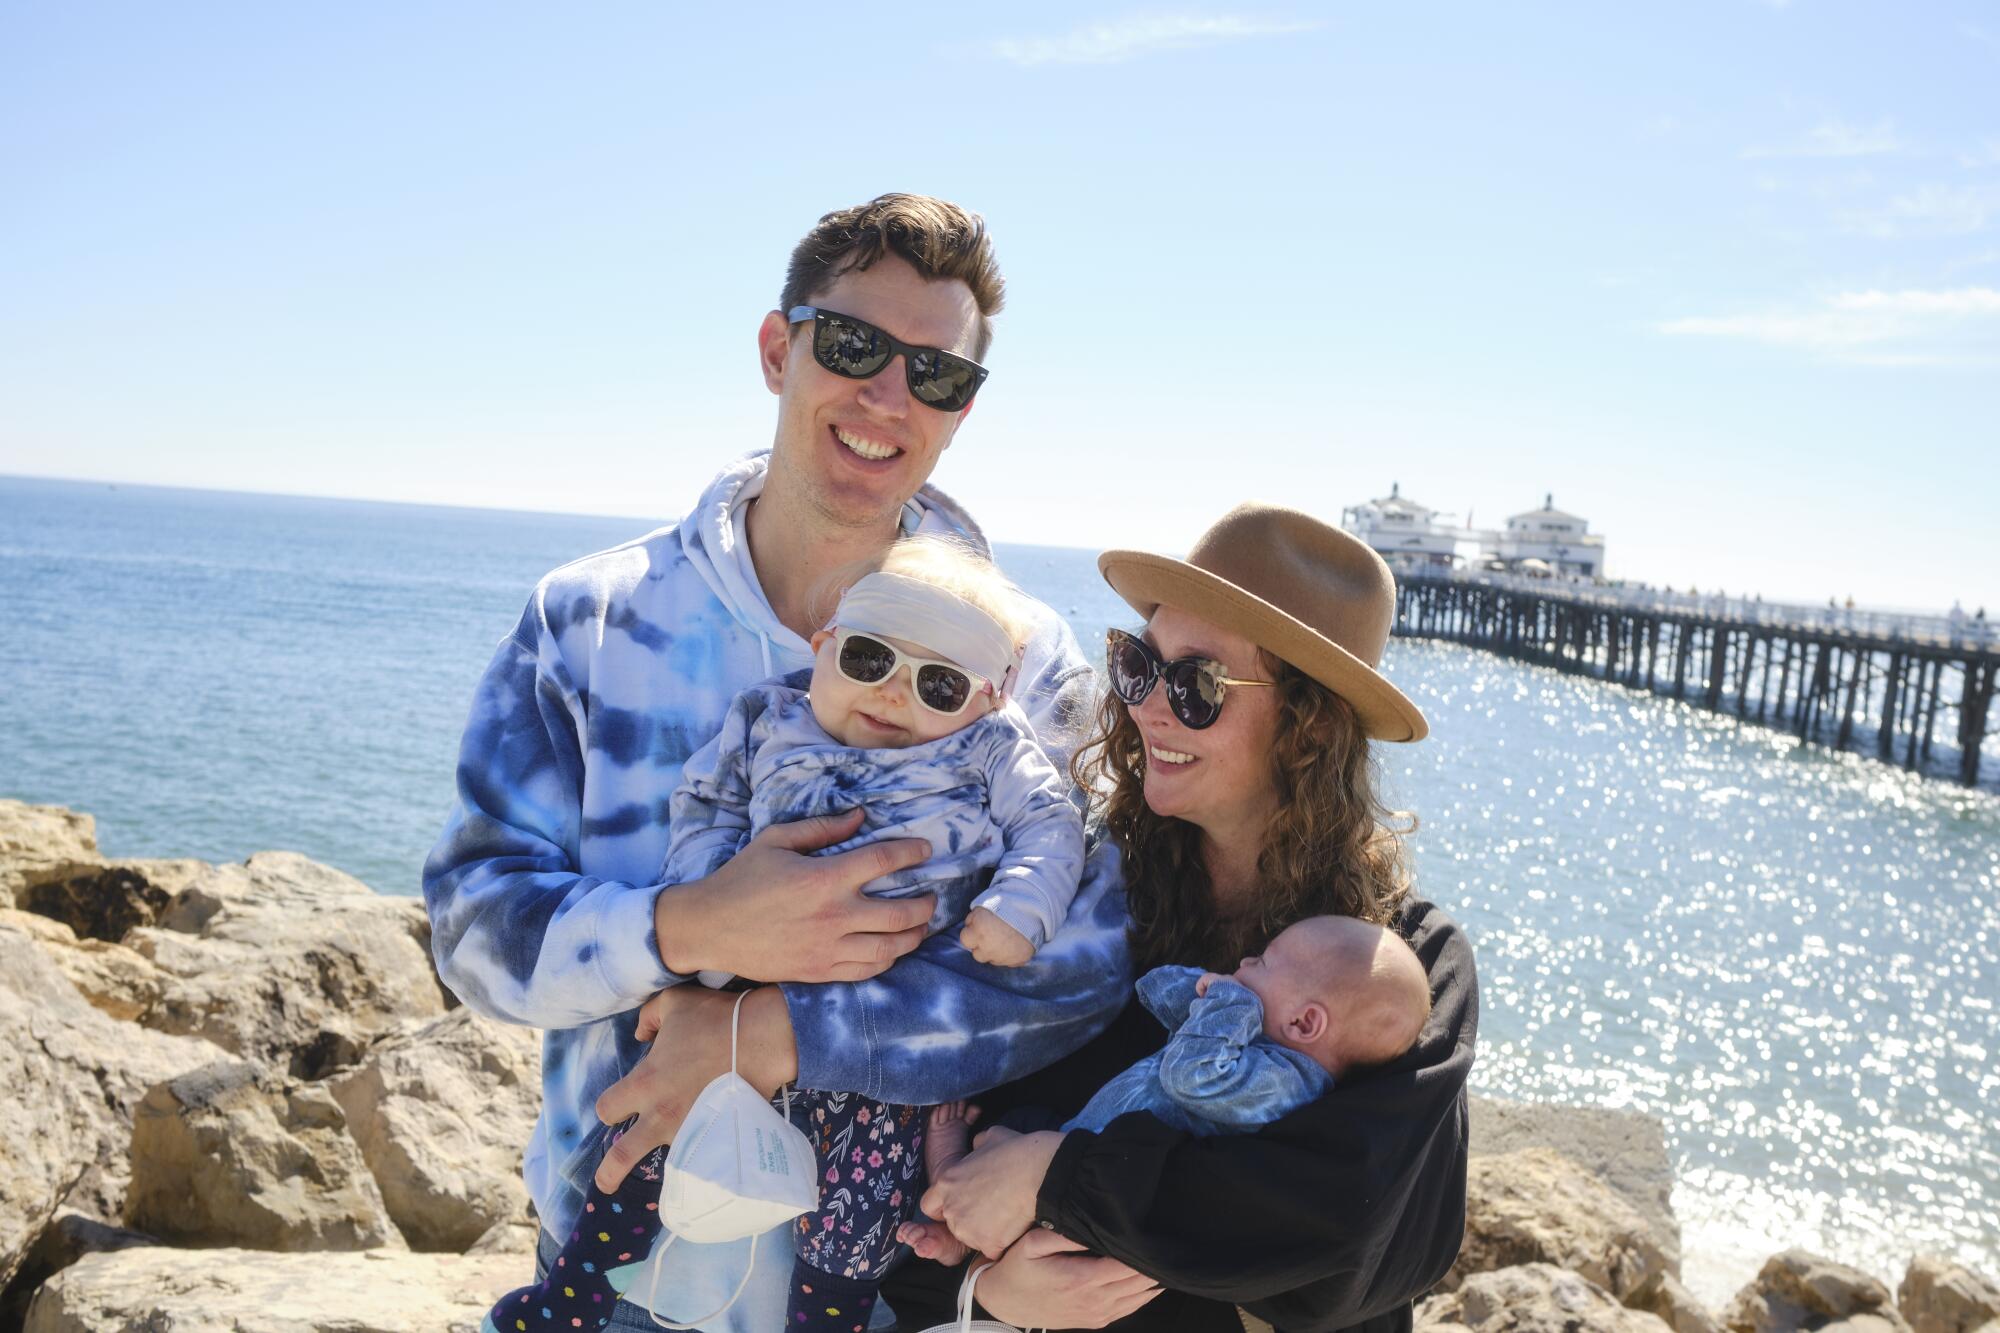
1798 1290
40 843
1531 1298
1536 1206
69 1079
1939 1296
1627 1150
1663 1295
517 1236
64 1241
287 961
442 1114
233 1154
100 903
114 979
247 1291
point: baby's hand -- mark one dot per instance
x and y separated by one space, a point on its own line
1205 980
994 942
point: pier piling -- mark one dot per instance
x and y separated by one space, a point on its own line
1856 681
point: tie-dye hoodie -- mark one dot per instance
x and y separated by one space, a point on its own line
541 887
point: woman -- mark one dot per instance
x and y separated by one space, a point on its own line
1232 768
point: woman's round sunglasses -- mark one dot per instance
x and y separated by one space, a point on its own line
858 350
1196 686
945 688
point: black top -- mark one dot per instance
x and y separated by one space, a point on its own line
1336 1216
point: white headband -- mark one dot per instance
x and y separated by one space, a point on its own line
923 613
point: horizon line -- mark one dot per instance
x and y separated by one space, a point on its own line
658 520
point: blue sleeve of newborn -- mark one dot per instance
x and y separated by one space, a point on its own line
1220 1066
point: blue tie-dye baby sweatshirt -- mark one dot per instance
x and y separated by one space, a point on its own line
1218 1072
541 887
985 797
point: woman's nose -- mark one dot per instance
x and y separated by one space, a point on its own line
1152 709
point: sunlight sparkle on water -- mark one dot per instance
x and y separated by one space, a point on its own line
1789 955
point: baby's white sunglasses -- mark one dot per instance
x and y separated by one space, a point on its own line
945 688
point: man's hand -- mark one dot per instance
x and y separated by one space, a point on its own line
992 941
987 1197
774 913
689 1028
1047 1280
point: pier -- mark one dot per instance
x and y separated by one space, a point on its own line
1892 686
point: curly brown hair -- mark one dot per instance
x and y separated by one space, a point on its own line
1332 847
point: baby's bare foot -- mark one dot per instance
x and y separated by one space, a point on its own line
948 1136
933 1240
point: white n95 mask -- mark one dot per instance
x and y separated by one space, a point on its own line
738 1167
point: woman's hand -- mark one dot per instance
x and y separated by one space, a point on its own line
1047 1281
987 1197
689 1028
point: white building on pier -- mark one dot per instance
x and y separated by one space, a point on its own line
1549 540
1403 532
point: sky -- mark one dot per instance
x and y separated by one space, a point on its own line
1722 277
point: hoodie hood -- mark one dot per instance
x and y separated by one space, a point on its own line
714 541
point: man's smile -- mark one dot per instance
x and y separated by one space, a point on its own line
863 447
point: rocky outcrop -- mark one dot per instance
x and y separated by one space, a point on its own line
70 1077
1626 1150
1939 1296
289 962
1676 1306
232 1154
114 979
66 1239
1531 1298
43 844
1535 1206
1798 1290
441 1114
247 1291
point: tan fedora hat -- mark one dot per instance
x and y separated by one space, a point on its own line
1315 596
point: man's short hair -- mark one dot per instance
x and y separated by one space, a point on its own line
937 237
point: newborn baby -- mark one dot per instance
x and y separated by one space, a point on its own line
1329 995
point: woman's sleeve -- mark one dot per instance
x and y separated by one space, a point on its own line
1344 1209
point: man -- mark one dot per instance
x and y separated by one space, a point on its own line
543 891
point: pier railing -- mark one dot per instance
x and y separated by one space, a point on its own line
1914 690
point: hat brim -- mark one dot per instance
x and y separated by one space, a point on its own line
1147 581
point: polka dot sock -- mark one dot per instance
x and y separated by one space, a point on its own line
824 1303
613 1232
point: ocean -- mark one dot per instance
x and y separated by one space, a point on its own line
1791 956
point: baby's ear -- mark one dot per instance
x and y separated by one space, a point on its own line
1310 1023
819 637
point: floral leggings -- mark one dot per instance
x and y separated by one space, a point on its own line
871 1165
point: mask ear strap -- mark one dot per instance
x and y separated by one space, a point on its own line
660 1250
653 1288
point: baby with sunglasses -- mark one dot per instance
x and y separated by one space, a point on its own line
905 715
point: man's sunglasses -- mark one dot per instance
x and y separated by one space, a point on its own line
857 349
943 687
1196 686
